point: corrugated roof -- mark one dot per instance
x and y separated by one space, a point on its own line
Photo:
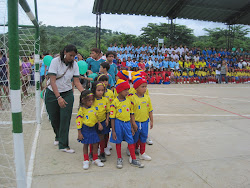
225 11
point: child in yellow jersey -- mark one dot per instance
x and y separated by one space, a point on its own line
102 106
86 121
121 112
143 112
110 96
184 76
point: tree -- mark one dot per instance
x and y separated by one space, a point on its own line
218 38
180 34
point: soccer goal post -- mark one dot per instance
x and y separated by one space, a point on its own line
14 51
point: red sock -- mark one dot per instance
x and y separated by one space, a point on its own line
90 148
118 151
132 150
102 145
86 157
142 148
95 156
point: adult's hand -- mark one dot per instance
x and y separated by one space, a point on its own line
62 103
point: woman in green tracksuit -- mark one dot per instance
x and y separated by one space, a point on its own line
59 97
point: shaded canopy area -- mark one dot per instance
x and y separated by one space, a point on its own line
225 11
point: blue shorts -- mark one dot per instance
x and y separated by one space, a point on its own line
166 82
123 132
106 129
89 134
142 132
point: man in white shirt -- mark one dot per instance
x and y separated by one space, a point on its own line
174 56
240 64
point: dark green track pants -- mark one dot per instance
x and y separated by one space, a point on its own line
60 117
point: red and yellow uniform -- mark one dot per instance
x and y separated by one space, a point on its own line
121 109
102 107
142 107
109 95
86 116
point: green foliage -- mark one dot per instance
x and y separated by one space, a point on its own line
218 38
180 34
53 39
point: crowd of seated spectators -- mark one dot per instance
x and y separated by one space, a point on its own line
180 64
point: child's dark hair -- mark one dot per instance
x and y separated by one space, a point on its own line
105 65
94 86
110 53
96 50
102 78
84 95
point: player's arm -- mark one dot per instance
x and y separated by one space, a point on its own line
132 121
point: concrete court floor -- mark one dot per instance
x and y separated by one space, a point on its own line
201 139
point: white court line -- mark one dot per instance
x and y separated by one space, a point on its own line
170 94
10 122
195 115
33 153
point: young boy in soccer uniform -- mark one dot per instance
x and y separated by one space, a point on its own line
143 111
121 112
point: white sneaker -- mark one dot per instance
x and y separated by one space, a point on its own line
56 143
107 151
98 162
85 165
68 150
149 141
109 146
145 157
99 151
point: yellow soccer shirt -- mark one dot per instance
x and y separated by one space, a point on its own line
86 116
187 65
184 74
202 64
203 73
142 107
181 63
213 73
121 109
197 65
109 95
102 107
190 73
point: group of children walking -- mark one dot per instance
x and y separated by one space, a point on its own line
126 112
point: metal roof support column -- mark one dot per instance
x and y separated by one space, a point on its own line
96 30
171 31
99 44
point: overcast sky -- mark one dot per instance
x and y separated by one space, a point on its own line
79 13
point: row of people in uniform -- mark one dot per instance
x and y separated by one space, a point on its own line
146 51
175 64
149 48
127 112
196 76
